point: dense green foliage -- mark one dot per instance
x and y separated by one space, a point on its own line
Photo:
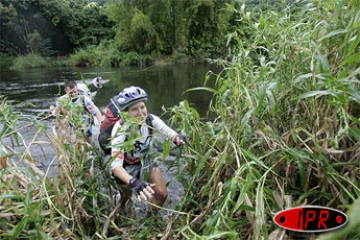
287 131
284 132
59 26
29 61
197 28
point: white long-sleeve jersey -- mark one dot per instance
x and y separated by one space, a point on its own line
82 103
141 145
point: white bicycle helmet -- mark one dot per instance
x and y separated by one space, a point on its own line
97 82
129 96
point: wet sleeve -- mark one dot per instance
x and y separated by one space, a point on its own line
116 150
162 127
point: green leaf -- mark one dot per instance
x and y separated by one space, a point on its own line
11 196
166 149
334 33
223 235
353 59
203 89
302 77
316 93
247 208
352 226
302 173
229 37
20 227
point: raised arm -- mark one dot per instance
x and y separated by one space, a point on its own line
92 108
159 124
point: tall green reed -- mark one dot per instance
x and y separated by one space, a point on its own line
285 133
70 199
285 123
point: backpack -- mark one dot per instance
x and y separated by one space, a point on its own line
105 134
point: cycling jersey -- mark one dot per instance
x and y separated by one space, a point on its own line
87 90
80 102
141 145
83 104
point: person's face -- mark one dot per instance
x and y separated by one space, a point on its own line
138 110
73 92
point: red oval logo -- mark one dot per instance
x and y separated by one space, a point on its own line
310 219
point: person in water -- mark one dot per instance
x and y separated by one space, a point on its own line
82 104
91 89
129 166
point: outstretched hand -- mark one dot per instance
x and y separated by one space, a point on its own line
143 189
52 110
147 193
180 140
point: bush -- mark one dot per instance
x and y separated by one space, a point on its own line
6 61
135 59
108 56
29 61
284 133
84 57
71 202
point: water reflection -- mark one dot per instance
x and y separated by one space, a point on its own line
164 84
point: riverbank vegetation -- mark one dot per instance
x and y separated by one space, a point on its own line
285 133
117 33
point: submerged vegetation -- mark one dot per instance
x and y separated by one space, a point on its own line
285 133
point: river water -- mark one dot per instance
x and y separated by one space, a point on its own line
34 90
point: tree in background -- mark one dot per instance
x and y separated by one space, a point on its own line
60 26
200 28
196 26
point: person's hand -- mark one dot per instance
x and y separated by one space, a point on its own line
180 140
52 110
143 189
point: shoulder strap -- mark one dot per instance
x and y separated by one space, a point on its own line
148 121
114 111
115 105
